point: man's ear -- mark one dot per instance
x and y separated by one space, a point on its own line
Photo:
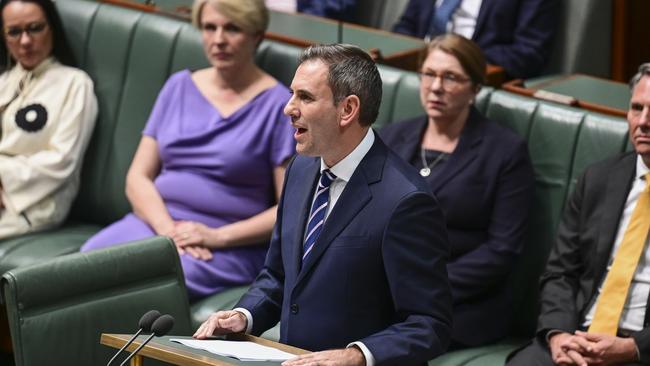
350 109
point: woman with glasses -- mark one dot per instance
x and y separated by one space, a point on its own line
482 176
47 114
210 165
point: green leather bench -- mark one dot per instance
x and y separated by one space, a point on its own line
130 54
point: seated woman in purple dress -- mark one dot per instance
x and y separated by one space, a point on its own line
210 166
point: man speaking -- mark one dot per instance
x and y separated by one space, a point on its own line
356 269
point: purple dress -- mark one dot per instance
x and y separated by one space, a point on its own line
215 171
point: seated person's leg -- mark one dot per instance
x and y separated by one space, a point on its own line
227 268
128 229
534 354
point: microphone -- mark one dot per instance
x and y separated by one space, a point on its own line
159 328
144 324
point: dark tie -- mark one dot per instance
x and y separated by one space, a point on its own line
441 17
318 210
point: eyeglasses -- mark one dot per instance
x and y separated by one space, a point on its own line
32 29
448 80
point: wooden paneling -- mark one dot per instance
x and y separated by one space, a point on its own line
630 37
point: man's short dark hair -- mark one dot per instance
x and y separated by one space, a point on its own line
644 70
351 72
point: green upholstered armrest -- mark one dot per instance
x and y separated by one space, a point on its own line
58 309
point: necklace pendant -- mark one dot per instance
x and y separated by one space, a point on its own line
425 171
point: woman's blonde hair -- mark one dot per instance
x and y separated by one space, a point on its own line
468 54
250 15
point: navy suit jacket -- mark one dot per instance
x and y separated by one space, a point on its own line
578 262
485 190
377 273
514 34
345 10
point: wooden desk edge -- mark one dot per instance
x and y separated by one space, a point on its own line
517 87
182 357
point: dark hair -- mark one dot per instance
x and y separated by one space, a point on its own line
644 70
351 72
60 47
468 54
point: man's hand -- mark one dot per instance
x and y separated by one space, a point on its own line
608 349
566 349
351 356
222 322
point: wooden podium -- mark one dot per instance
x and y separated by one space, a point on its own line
163 349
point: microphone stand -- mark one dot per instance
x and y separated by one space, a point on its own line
138 349
124 347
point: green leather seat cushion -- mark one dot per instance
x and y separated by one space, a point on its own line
41 246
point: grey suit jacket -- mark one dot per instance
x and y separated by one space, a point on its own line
585 238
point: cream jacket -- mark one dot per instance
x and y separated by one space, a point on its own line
49 116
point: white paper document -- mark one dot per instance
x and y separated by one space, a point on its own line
241 350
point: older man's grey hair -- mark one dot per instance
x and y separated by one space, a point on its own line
644 70
351 72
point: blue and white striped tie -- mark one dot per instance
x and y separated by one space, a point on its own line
318 210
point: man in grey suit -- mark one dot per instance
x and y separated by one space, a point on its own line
597 224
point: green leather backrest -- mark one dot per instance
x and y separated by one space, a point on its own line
407 98
513 111
188 53
279 60
57 310
106 49
552 137
562 142
600 137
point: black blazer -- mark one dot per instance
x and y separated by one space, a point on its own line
586 234
485 190
514 34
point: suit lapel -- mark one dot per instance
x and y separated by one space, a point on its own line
482 17
410 138
613 205
354 197
466 151
305 192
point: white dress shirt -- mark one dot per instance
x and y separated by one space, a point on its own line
343 171
637 298
287 6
